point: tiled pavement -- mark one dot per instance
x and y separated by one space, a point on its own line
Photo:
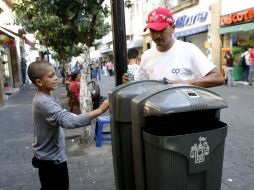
91 168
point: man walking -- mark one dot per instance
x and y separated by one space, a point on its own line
23 70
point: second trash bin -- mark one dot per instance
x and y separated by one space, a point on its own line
178 139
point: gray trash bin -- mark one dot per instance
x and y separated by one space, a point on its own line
121 129
178 139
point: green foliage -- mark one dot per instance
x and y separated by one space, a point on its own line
62 24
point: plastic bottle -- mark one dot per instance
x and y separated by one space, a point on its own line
130 75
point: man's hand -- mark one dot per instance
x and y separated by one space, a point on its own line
213 78
125 78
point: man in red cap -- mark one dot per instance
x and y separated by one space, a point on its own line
175 61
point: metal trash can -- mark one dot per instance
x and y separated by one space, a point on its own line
178 138
121 129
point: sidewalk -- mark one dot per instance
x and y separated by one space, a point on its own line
90 168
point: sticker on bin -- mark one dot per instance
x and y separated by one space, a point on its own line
190 93
199 151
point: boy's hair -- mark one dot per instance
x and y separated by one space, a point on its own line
132 53
37 69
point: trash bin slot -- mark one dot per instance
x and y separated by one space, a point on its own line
173 129
182 123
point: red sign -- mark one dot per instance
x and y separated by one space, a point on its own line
234 18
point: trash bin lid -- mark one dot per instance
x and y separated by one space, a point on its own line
122 95
179 98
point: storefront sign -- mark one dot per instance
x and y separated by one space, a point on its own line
191 20
236 18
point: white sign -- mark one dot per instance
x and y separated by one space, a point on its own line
199 151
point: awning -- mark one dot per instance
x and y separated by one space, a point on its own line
107 51
192 31
28 42
136 43
236 28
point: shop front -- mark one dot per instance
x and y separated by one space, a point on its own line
193 27
237 34
9 68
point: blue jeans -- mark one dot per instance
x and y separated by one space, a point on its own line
97 73
24 76
251 72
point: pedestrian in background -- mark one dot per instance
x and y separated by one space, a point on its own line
104 68
175 61
251 68
74 86
74 93
97 66
109 65
62 72
49 119
229 69
23 69
245 62
92 70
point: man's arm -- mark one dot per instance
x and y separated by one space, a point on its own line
213 78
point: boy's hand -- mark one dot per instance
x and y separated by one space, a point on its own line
125 78
104 106
100 110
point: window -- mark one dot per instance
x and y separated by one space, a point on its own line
177 5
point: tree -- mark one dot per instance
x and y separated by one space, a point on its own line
63 24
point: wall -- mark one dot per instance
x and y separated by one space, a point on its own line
198 40
231 6
215 37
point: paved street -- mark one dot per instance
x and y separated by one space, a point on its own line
91 168
238 171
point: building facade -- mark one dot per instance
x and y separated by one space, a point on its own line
213 26
14 44
236 31
11 48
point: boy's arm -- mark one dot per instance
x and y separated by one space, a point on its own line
103 108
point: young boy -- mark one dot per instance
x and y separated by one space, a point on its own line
133 66
49 119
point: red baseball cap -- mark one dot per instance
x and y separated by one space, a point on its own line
159 19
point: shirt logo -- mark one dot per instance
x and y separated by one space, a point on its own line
175 71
